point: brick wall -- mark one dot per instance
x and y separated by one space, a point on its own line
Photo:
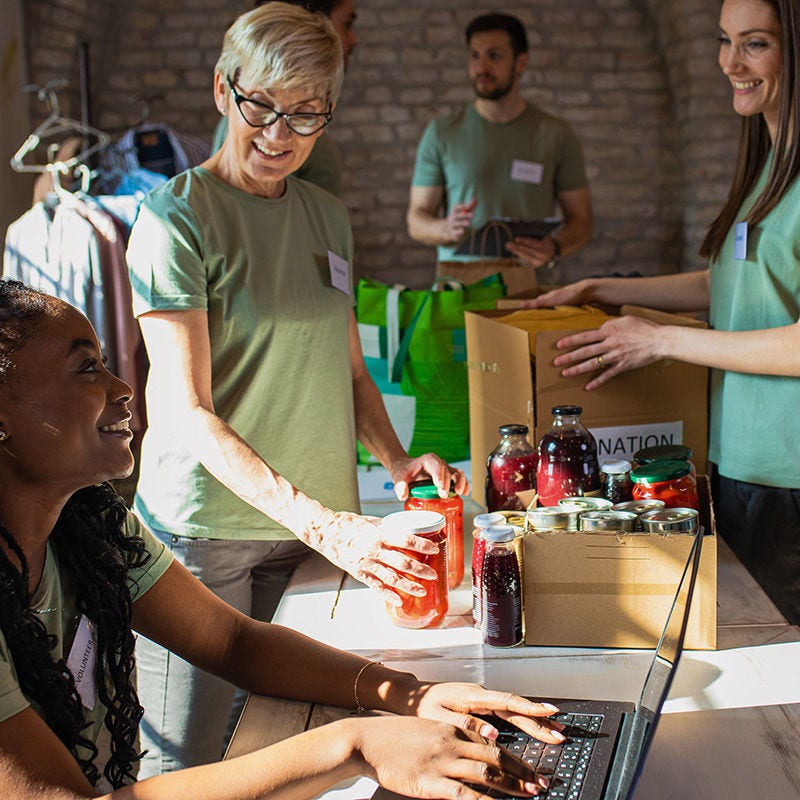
637 79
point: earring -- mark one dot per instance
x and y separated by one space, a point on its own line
3 436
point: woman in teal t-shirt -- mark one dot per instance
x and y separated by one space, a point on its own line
78 574
752 293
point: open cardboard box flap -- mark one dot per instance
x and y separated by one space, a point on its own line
512 379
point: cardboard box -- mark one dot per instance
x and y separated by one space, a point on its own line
615 590
512 379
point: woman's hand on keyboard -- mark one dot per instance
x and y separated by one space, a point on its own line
459 703
423 758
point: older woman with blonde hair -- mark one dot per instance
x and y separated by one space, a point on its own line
257 392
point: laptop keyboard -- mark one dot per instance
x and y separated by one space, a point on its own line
564 764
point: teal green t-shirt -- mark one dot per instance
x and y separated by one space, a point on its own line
55 604
514 169
278 329
323 167
754 431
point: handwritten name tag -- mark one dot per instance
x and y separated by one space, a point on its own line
526 171
340 272
81 661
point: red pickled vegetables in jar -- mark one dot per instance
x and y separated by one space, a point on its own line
429 610
426 498
671 482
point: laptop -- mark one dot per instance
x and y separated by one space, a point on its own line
607 742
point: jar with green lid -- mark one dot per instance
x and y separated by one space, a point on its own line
669 481
426 498
664 452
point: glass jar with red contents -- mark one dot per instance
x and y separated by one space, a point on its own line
426 498
664 452
427 611
568 463
510 468
501 589
482 522
669 481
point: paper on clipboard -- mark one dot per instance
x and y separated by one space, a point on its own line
489 240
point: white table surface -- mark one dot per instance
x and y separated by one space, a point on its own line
726 711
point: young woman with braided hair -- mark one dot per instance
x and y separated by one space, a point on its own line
79 573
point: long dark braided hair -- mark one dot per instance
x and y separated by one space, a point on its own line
93 552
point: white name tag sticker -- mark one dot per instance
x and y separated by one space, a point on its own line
740 241
81 661
526 171
340 272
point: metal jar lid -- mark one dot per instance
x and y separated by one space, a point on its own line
414 522
624 521
587 503
639 506
670 520
564 518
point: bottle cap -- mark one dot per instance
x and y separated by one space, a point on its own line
429 492
566 411
414 521
616 467
658 471
513 429
483 521
663 452
499 533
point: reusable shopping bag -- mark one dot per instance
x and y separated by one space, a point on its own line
415 350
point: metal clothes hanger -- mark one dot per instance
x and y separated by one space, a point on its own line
54 125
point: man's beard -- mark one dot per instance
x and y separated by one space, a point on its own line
497 93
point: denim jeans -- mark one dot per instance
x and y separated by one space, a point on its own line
187 711
761 524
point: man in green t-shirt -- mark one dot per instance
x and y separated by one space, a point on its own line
500 156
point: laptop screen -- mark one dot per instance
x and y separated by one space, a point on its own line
641 725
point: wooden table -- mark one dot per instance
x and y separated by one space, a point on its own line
729 710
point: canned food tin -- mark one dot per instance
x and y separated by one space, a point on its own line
587 503
639 506
563 518
624 521
515 518
670 520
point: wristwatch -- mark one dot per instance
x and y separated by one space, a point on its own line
556 253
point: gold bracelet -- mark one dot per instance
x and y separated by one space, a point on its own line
359 708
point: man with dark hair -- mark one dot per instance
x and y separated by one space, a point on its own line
324 165
500 156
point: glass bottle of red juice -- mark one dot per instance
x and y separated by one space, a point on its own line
568 464
501 589
510 468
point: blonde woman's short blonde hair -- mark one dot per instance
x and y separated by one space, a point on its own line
284 47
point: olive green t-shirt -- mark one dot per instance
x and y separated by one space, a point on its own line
514 169
754 430
54 603
278 329
323 166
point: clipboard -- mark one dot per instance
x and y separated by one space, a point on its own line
489 240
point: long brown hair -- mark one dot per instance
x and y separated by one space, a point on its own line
755 144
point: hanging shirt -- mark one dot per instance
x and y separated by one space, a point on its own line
57 251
